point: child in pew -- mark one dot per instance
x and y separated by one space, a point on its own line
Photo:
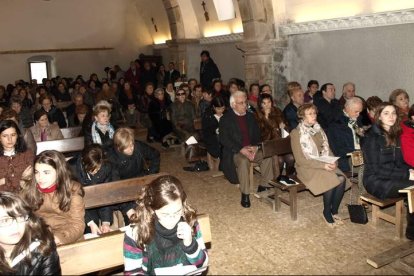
91 168
22 230
55 197
165 231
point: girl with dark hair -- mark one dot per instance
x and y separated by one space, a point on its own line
26 243
43 130
15 160
165 232
271 123
54 114
92 168
210 126
385 171
407 138
55 197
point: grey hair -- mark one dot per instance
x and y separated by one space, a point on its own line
352 101
158 90
236 95
346 84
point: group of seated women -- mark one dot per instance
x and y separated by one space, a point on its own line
40 197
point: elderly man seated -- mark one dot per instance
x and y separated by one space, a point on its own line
239 134
345 131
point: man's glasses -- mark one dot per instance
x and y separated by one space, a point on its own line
180 94
5 222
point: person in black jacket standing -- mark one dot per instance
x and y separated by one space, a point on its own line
21 232
208 70
240 136
385 171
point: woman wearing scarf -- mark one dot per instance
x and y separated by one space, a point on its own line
101 132
309 142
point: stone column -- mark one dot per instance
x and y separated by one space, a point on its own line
180 51
264 52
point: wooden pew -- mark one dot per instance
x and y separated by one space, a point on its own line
106 251
63 146
71 132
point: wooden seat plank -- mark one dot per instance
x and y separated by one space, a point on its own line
71 132
379 202
410 195
106 251
63 145
392 254
116 192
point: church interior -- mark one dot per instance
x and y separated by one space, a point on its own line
274 42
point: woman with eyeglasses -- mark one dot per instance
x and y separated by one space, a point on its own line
165 232
15 159
26 243
182 116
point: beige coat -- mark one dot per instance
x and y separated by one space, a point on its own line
67 226
312 172
53 132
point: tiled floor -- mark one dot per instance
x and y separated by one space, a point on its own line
258 241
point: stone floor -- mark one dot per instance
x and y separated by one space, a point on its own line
258 241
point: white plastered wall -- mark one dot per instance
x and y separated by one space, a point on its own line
377 59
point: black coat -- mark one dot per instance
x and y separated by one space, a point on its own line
291 116
208 72
40 265
171 76
130 166
210 127
341 140
106 174
384 166
157 112
231 139
56 115
327 111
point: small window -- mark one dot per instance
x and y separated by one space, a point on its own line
38 71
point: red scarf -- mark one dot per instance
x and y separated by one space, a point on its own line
48 190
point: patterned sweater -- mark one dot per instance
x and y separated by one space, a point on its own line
157 253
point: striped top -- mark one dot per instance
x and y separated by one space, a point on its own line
136 260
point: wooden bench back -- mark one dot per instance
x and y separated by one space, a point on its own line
105 252
71 132
63 146
116 192
274 147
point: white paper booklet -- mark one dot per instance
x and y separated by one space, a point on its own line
178 270
191 141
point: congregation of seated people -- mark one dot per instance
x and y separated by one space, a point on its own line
234 121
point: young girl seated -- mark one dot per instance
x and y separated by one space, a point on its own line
165 232
55 197
92 168
26 243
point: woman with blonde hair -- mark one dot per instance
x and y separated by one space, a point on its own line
309 145
399 98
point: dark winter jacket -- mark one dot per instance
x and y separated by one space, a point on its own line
40 265
130 166
384 165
